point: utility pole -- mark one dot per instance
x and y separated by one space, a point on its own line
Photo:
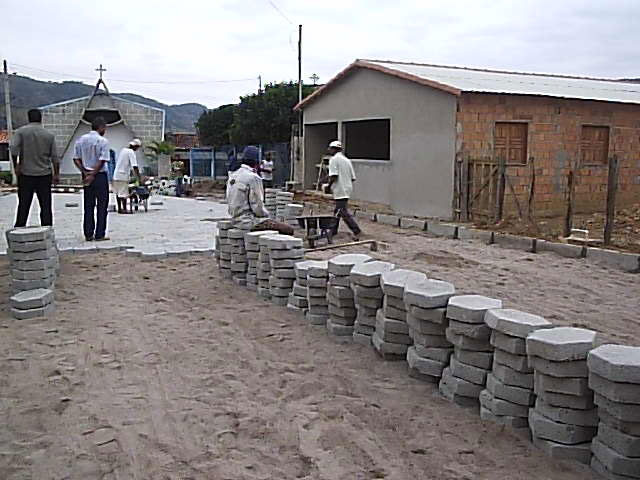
7 109
259 83
299 142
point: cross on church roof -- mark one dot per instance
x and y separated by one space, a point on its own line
100 69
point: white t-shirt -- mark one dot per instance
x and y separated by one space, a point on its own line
126 161
264 174
341 166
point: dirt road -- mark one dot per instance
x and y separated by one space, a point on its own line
164 371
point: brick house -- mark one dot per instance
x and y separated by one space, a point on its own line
424 139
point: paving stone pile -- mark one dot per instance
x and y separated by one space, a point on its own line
252 246
292 212
614 376
284 252
465 377
34 303
33 258
224 248
270 201
282 200
342 308
317 283
235 236
425 301
564 419
391 338
298 296
368 297
509 386
264 267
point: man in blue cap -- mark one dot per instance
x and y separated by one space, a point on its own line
245 197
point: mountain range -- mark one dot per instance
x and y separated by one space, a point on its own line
27 93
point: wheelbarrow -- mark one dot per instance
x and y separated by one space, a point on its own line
318 227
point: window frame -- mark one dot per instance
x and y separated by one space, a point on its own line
343 137
527 124
581 145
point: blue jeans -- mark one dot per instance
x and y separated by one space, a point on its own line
96 195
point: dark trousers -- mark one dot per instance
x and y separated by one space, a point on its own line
27 186
96 195
341 211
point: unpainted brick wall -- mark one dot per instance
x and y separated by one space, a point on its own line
554 132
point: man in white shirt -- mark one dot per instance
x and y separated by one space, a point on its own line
266 170
126 161
341 178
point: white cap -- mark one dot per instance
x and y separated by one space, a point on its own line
135 142
335 144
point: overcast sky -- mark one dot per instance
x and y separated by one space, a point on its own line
201 41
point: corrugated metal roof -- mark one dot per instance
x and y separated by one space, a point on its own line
456 80
492 81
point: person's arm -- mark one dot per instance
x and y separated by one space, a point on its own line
333 174
55 162
133 160
256 194
103 157
77 159
15 147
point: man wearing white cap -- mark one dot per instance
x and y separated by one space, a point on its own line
341 178
126 161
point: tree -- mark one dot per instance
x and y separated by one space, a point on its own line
155 149
214 125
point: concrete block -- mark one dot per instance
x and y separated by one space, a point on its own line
393 282
22 285
514 322
32 246
30 299
368 303
568 434
501 407
339 329
558 451
441 355
468 233
316 292
467 372
389 351
458 386
516 423
563 400
341 303
470 308
367 274
615 391
28 234
482 360
315 319
515 242
343 312
563 249
601 470
296 254
414 373
430 341
390 337
280 282
583 418
442 229
32 274
285 263
369 320
467 343
34 265
341 265
413 223
361 339
284 274
391 325
340 292
508 376
363 329
319 271
517 395
424 365
614 461
629 412
561 343
628 262
27 257
318 302
516 362
317 282
394 313
623 443
299 302
394 302
616 363
339 281
426 293
40 312
578 387
477 331
393 220
253 238
365 215
575 368
623 426
433 315
280 301
425 328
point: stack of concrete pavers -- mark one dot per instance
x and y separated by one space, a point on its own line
292 212
317 284
465 377
564 419
284 252
264 267
33 258
614 376
282 200
426 301
238 255
298 297
368 297
342 308
224 248
34 303
509 392
391 338
270 201
252 246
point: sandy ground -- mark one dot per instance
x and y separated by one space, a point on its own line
165 371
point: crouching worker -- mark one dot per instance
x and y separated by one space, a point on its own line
245 197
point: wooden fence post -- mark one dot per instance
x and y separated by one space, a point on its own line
464 189
502 167
612 188
568 223
532 189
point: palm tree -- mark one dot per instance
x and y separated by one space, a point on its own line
155 149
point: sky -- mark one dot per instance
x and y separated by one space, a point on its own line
212 52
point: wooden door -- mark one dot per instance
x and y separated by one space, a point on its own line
510 142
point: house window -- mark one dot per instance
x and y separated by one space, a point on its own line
4 152
367 139
510 142
594 145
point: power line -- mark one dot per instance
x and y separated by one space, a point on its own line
282 14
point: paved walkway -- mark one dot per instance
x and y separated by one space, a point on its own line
179 224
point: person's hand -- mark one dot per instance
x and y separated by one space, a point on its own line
55 179
18 170
88 178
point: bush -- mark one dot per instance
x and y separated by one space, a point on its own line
5 177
